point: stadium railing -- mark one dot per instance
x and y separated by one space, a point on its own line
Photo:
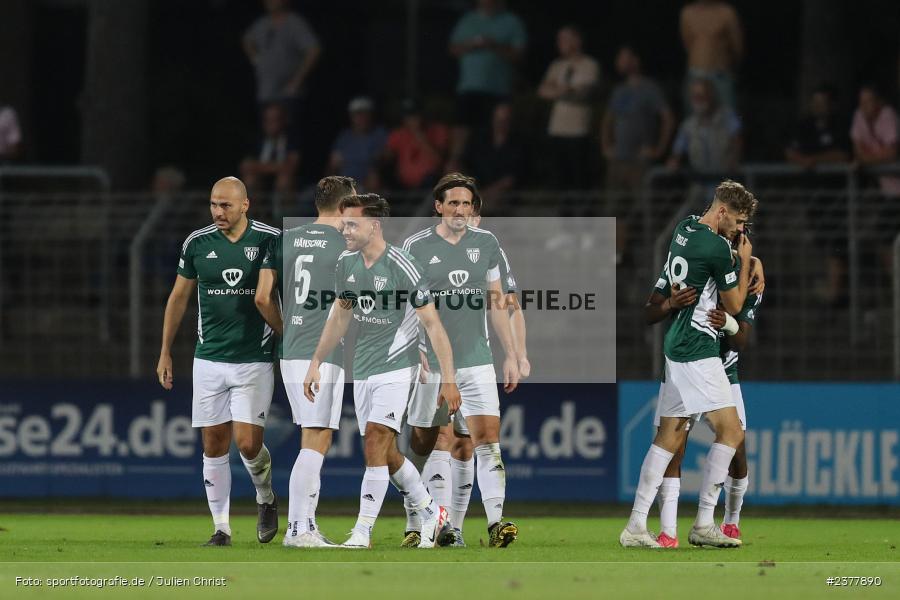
85 276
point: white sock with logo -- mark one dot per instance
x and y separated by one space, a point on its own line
409 483
463 478
491 480
413 518
714 473
734 498
303 483
436 476
217 481
260 469
669 490
314 504
371 497
652 471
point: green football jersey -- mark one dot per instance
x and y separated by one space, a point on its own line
700 258
385 297
748 315
507 279
304 259
458 276
229 328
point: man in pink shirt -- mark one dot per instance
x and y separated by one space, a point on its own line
417 148
10 134
874 135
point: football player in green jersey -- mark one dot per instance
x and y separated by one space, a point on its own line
733 337
695 380
463 267
232 374
456 435
381 287
309 254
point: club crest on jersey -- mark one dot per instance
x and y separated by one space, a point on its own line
458 277
474 254
366 303
232 276
380 282
251 252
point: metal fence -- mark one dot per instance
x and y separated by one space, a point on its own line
84 277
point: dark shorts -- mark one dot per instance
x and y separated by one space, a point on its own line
475 109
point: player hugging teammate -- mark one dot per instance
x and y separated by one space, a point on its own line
702 342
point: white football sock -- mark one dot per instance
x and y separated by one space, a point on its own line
436 477
413 518
491 480
734 498
462 478
668 505
652 471
217 481
371 497
304 478
409 483
714 473
260 469
314 504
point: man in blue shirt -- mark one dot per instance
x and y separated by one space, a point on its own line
357 149
487 41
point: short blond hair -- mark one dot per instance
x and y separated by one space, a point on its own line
736 197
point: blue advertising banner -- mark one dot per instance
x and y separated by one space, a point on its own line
127 439
829 443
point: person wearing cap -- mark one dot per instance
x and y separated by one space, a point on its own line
417 148
358 148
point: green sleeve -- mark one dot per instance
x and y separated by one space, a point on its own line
419 290
750 309
186 261
722 265
271 254
340 280
494 259
662 285
507 280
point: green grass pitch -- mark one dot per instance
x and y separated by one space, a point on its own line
555 558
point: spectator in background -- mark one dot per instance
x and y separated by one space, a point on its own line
714 42
276 161
569 83
495 158
636 130
637 126
487 41
710 139
819 138
874 135
10 134
357 150
417 149
283 49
